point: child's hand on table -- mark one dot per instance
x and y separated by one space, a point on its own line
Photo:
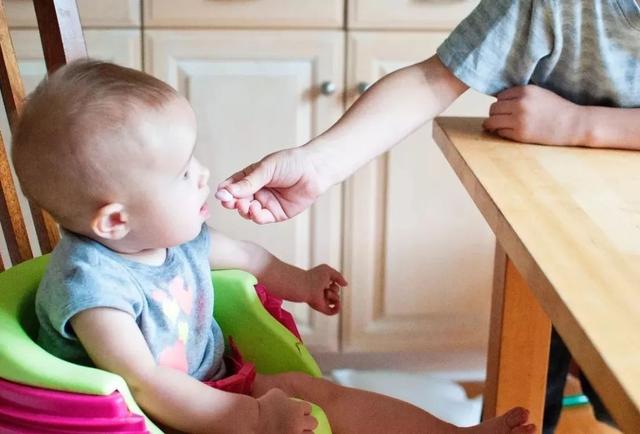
279 414
324 284
531 114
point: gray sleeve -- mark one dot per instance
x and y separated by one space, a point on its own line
499 44
85 286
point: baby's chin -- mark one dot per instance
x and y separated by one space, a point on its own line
168 240
192 235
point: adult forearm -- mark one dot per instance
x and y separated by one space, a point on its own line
390 110
183 403
605 127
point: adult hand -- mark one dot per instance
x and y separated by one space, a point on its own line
532 114
276 188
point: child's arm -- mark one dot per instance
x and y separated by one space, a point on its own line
283 184
319 286
532 114
114 342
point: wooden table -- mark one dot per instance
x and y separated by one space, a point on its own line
567 221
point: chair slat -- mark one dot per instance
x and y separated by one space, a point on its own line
60 32
13 226
62 41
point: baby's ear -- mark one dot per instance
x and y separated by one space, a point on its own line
111 222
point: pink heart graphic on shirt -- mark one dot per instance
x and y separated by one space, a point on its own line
158 295
181 294
174 357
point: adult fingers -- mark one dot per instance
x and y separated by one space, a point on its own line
270 202
260 215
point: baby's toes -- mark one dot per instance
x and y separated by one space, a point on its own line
524 429
516 417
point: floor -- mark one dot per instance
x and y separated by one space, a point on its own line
575 420
580 420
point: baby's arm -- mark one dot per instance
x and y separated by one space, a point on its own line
114 342
319 287
532 114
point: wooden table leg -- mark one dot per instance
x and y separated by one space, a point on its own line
518 345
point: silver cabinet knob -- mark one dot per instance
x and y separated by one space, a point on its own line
362 87
327 88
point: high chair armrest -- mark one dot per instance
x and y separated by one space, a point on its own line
261 339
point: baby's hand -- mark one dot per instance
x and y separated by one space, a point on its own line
324 285
279 414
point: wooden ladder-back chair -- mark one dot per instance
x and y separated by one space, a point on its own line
62 41
40 393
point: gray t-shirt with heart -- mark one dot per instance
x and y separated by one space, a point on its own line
171 303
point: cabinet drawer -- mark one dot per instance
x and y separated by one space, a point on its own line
245 13
93 13
408 14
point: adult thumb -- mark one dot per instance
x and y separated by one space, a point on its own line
246 182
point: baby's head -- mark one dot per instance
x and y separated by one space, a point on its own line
108 152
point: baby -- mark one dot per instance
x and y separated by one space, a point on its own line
108 152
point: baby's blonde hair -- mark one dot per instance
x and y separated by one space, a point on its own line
73 132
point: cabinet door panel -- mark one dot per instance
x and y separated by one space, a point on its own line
119 46
408 14
418 253
256 13
254 93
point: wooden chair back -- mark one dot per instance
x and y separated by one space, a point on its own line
62 41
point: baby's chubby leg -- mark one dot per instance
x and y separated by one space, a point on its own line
357 411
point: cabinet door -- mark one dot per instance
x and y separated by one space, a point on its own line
408 14
418 254
100 13
256 13
118 46
255 92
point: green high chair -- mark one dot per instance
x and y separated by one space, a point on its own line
40 393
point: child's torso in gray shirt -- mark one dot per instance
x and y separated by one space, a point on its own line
587 51
172 304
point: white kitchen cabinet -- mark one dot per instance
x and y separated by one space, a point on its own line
418 254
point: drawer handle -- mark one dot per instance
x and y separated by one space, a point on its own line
327 88
362 87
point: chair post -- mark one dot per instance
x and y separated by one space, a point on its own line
62 41
12 90
60 32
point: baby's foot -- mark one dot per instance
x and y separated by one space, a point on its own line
512 422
